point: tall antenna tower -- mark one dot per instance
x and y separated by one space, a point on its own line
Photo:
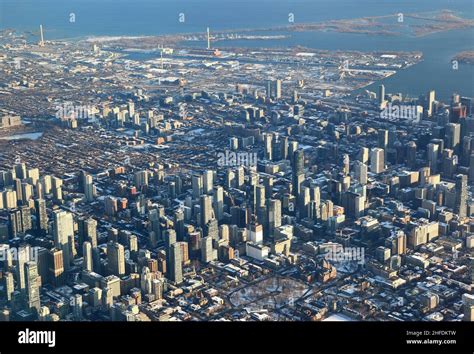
208 38
41 43
161 47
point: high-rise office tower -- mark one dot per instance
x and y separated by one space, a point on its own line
381 96
27 192
56 267
240 177
268 145
269 88
18 189
298 170
453 136
284 148
471 167
9 286
207 251
377 162
175 271
197 186
87 263
23 258
430 99
32 285
467 147
76 302
170 238
87 229
256 232
382 139
411 154
292 147
141 179
26 218
9 199
33 175
433 154
131 109
89 188
304 198
47 183
154 227
64 235
115 258
345 164
274 215
277 91
212 229
218 202
41 216
468 303
229 178
20 170
259 196
364 155
206 209
460 206
360 172
57 185
15 226
268 183
179 224
208 178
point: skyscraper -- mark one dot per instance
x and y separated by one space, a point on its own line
381 96
87 256
64 235
453 136
468 302
207 251
56 267
432 151
256 232
460 206
360 172
88 188
274 215
57 184
277 91
206 209
298 170
33 292
175 271
141 179
197 186
377 162
268 145
218 202
382 139
87 229
9 286
208 177
41 215
116 258
430 102
23 258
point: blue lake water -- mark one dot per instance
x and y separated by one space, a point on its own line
152 17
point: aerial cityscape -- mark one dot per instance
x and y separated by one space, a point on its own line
238 171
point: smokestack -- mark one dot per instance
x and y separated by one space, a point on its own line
41 43
208 39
